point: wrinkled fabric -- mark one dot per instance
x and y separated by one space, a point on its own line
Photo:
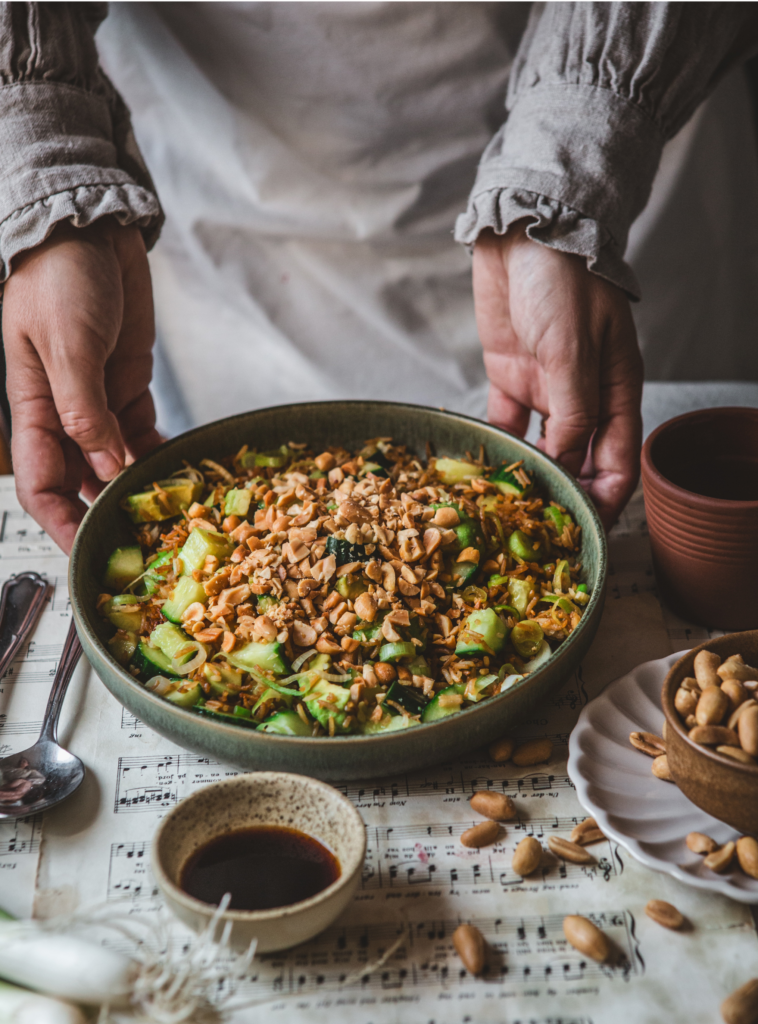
595 92
312 159
67 149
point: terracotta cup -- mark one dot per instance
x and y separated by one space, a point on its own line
700 478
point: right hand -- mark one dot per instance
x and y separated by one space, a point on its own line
78 330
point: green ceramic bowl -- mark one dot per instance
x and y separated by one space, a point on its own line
320 424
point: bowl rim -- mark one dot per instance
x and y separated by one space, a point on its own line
346 742
672 715
252 779
652 475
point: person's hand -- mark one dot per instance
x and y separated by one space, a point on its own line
78 332
559 339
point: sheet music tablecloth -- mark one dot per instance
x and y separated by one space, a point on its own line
418 878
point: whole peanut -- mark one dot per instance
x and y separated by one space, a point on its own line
736 693
712 706
527 856
533 752
747 727
572 852
747 855
698 842
586 937
706 663
740 711
471 948
714 735
741 1007
685 702
660 768
721 859
664 914
497 806
501 750
483 834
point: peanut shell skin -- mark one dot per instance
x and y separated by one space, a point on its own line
741 1007
527 856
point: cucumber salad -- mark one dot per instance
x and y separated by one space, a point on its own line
341 593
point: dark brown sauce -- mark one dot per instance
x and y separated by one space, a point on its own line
262 868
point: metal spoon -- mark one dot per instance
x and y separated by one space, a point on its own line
43 775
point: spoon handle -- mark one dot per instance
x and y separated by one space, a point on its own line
70 655
21 602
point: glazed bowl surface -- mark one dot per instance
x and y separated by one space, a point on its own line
700 478
255 800
321 424
718 784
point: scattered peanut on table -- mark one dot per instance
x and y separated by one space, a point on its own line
496 806
572 852
471 947
741 1007
527 856
483 834
664 913
586 937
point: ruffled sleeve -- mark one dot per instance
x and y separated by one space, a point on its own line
595 92
67 149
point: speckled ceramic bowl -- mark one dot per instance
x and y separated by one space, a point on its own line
320 424
262 798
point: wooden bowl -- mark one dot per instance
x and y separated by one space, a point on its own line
724 788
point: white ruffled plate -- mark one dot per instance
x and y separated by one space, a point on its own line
648 817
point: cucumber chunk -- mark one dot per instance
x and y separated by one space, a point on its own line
454 471
333 707
152 579
200 544
185 593
527 548
169 638
507 483
123 645
237 502
395 651
520 592
151 661
224 716
270 657
393 723
463 573
123 568
527 638
407 697
285 723
350 590
119 615
222 680
484 633
186 695
434 711
152 507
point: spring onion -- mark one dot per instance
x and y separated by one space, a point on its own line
74 969
20 1006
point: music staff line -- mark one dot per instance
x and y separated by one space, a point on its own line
25 835
164 793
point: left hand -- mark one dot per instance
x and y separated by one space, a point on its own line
561 340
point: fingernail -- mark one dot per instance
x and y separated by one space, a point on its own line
104 464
